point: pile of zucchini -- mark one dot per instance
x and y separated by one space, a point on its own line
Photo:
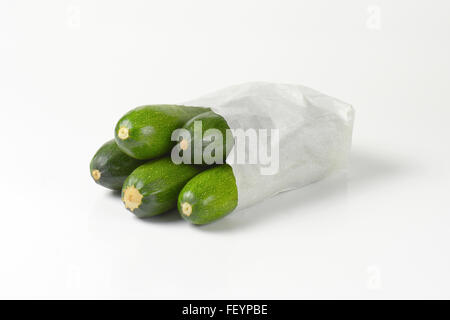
138 162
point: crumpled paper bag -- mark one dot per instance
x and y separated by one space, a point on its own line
314 135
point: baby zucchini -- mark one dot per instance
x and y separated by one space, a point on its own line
209 196
145 132
211 144
153 188
110 166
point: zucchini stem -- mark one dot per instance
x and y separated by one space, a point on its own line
123 133
184 144
96 174
132 198
186 207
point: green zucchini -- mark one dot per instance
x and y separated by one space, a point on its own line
145 132
153 188
211 150
209 196
110 166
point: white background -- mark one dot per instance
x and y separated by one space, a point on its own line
70 69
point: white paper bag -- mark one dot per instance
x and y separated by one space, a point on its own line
314 134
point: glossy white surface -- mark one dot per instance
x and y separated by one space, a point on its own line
70 69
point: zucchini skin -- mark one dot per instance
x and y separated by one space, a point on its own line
210 195
159 183
148 129
110 166
209 120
